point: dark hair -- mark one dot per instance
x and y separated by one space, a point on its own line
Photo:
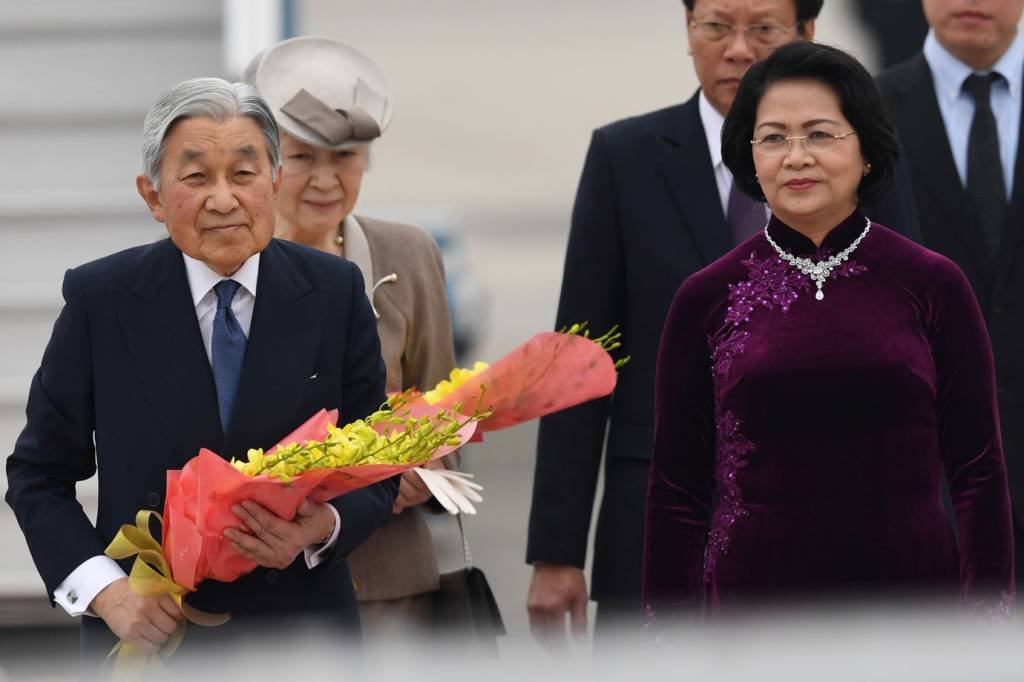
805 9
858 98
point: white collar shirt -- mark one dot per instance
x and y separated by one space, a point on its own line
957 106
201 281
713 122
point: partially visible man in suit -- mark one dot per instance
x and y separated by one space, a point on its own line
897 26
655 204
217 337
957 107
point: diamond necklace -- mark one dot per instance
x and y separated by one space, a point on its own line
820 271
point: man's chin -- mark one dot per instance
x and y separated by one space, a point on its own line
228 259
973 37
723 98
225 232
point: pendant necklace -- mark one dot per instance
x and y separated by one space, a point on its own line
821 270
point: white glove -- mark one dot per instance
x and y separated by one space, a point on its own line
452 489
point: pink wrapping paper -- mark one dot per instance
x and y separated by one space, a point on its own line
550 372
199 498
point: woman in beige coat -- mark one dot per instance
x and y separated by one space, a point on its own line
331 102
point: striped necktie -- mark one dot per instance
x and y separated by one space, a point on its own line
744 216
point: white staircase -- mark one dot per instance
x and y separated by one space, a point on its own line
76 77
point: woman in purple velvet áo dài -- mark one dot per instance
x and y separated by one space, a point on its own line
815 383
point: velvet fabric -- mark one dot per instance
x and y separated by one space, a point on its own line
799 444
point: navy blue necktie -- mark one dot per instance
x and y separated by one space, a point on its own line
228 350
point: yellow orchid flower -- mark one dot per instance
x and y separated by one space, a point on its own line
457 377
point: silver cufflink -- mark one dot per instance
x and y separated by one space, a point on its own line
72 597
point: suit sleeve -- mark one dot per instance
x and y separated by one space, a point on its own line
681 485
570 443
972 451
362 511
55 450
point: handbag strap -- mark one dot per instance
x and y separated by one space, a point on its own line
465 542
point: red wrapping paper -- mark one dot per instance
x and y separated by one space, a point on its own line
550 372
197 507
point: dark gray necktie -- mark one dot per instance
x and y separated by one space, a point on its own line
228 350
986 191
744 216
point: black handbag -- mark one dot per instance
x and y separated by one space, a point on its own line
465 610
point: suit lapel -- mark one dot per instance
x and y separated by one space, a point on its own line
924 135
1013 227
686 169
280 355
162 333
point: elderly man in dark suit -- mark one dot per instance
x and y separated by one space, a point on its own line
655 204
957 107
217 337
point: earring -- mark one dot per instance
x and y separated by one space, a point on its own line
867 168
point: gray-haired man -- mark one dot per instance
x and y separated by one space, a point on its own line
217 337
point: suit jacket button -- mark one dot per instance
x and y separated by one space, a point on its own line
153 500
272 576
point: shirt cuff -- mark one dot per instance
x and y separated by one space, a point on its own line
78 590
315 554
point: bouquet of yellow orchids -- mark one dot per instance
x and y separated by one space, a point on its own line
321 460
318 461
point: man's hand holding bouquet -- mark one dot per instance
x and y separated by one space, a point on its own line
223 519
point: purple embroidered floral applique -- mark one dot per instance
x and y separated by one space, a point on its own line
771 283
733 446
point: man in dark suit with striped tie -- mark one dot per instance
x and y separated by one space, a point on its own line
957 108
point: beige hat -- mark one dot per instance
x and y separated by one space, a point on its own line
324 92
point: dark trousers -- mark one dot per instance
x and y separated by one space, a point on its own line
1018 553
615 623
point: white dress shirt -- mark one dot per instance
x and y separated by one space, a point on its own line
201 281
713 122
82 585
957 106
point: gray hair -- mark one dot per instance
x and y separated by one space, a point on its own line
213 98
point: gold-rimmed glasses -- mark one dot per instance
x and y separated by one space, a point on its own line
814 141
762 35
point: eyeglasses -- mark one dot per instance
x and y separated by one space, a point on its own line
814 141
762 35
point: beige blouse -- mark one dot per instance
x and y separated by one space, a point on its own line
404 276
